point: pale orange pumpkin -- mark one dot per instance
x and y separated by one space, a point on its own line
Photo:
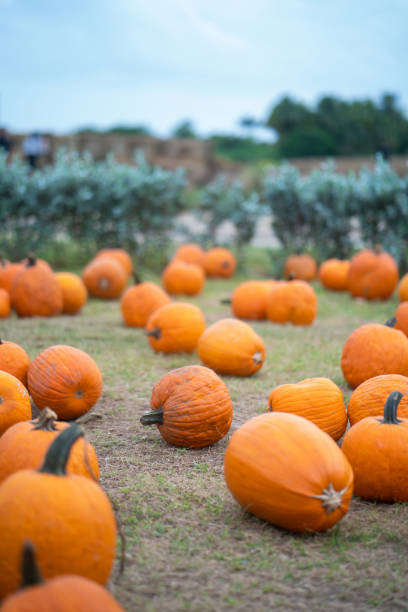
190 253
105 277
74 292
333 274
249 299
181 278
140 301
15 403
219 262
14 360
292 302
175 328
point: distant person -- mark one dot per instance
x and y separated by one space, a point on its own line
5 142
33 148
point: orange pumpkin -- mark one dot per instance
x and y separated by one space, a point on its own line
374 349
140 301
121 256
7 272
369 397
61 593
219 262
190 253
300 267
14 360
105 277
24 446
5 306
376 448
318 400
35 291
68 518
15 403
333 274
372 275
401 316
65 379
403 289
249 299
292 302
180 277
74 292
231 347
191 407
175 328
285 470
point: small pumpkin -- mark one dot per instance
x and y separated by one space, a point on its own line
285 470
249 299
15 403
292 302
175 328
318 400
74 293
66 592
403 289
7 273
374 349
65 379
401 315
300 267
105 277
5 306
373 275
376 448
121 256
35 291
191 407
181 278
190 253
68 518
14 360
140 301
24 446
333 274
368 399
230 346
219 262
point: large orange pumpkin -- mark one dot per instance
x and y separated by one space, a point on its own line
62 593
300 267
175 328
14 360
333 274
68 518
403 289
35 291
249 299
374 349
292 302
181 278
121 256
368 399
65 379
24 446
317 399
15 403
5 306
140 301
372 275
377 450
191 407
7 273
231 347
401 315
74 292
190 253
105 277
285 470
219 262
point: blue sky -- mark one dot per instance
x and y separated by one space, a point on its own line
103 62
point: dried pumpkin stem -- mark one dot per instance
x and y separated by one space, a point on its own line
155 417
46 420
155 333
330 498
136 278
257 358
390 322
226 301
58 453
30 571
391 407
31 260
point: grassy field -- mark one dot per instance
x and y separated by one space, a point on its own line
189 546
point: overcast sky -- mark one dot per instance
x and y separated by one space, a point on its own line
66 64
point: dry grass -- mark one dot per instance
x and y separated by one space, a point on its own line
189 545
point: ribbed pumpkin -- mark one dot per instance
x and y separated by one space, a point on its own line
191 407
231 347
369 397
68 518
105 277
373 275
292 302
7 273
140 301
24 446
333 274
35 291
403 289
181 278
377 450
285 470
249 300
401 315
300 267
175 328
374 349
5 306
14 360
74 292
65 379
318 400
190 253
219 262
15 403
62 593
121 256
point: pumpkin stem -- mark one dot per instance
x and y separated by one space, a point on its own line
391 322
31 260
58 453
136 278
330 498
30 571
391 407
155 417
46 420
226 301
257 357
155 333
